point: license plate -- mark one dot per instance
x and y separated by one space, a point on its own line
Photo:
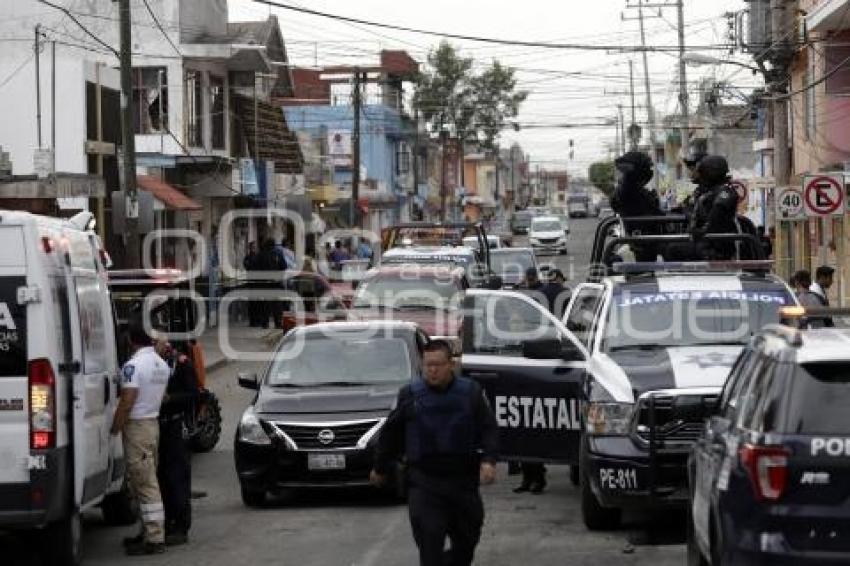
618 479
325 461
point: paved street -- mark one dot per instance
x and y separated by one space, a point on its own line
357 528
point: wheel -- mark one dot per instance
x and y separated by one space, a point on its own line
120 508
208 426
595 516
253 497
563 251
695 557
64 541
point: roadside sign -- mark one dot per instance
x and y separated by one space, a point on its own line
823 195
789 203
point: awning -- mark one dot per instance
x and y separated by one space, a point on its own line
166 194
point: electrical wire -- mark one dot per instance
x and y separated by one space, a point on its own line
159 25
81 26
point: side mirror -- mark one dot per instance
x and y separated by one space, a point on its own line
550 349
717 427
248 381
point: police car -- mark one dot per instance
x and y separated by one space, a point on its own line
661 339
58 383
770 473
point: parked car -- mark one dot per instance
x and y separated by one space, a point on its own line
521 222
58 384
769 476
493 241
320 404
428 295
547 235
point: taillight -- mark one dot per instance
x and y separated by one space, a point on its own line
767 467
42 389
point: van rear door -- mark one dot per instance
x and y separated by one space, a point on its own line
14 416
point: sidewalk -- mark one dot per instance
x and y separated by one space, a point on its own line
241 338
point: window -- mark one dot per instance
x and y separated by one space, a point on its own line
403 159
580 319
501 324
217 109
835 57
194 109
92 328
735 383
150 100
818 400
752 391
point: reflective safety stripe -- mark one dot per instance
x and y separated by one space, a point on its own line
152 512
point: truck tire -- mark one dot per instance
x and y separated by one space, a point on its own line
120 508
208 429
595 516
253 497
64 541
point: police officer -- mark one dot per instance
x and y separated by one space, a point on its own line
715 206
632 199
144 379
174 470
445 428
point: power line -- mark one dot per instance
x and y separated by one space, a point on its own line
80 25
543 45
159 25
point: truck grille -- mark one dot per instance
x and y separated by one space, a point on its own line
325 436
548 240
679 419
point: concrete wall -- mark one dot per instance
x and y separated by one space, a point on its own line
18 132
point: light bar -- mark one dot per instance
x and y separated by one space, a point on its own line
813 312
692 266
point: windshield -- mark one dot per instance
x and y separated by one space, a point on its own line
340 360
408 290
511 262
546 226
690 318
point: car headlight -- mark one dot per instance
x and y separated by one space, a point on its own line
250 429
607 418
533 241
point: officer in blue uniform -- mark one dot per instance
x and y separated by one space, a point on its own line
446 430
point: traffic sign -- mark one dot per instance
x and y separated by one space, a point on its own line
789 203
823 195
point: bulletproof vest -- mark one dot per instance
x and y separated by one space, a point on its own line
443 423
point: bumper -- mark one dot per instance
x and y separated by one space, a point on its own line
42 500
767 549
274 467
554 248
621 474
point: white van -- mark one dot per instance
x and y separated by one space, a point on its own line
58 382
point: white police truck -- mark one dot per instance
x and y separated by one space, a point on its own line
58 382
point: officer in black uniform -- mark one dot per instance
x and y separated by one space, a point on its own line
445 428
631 199
174 467
715 208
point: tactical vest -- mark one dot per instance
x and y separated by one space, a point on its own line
443 422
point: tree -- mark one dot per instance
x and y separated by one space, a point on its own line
473 107
601 175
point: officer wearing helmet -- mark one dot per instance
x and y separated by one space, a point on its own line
715 205
632 199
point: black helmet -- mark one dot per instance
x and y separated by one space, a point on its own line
693 158
637 164
713 169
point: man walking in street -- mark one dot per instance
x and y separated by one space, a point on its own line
175 469
143 383
820 288
446 429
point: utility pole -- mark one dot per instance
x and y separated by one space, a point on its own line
128 135
634 129
683 83
38 81
53 102
357 103
622 132
415 157
781 58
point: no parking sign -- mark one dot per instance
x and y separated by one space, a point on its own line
823 195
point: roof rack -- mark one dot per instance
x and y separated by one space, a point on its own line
791 335
693 266
632 222
602 266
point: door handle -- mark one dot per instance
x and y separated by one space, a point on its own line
484 375
562 371
106 386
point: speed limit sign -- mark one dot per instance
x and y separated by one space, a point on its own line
789 202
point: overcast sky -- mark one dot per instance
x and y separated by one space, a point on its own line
555 97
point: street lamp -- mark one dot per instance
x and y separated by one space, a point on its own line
696 59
